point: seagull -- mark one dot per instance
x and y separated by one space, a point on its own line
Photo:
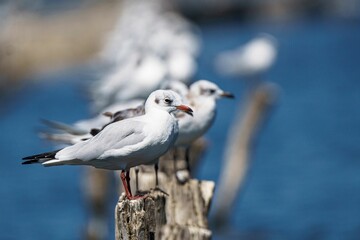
250 60
202 97
127 143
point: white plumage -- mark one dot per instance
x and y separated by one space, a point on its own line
250 60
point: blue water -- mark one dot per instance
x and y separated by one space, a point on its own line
303 181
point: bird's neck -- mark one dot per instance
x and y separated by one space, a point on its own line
158 114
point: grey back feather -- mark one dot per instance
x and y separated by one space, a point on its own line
114 136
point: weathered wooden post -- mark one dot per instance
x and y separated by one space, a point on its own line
141 218
258 102
180 213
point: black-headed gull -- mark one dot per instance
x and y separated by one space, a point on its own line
202 98
125 144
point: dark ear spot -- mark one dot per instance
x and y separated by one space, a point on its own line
156 101
202 91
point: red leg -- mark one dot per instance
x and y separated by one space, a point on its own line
125 179
126 187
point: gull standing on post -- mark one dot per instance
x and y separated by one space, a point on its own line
202 98
125 144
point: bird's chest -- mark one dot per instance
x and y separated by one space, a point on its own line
203 118
163 131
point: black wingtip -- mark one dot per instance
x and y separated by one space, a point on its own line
30 157
37 157
30 162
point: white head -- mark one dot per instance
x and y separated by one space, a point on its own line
204 88
166 100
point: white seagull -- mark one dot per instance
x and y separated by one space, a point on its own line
250 60
201 98
125 144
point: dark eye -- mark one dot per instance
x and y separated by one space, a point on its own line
212 91
167 100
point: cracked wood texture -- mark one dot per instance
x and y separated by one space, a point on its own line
179 213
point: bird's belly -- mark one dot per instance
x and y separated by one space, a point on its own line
189 134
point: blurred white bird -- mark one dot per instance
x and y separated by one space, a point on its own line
202 96
135 79
125 144
250 60
180 65
143 52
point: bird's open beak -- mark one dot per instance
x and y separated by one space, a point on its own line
227 95
185 109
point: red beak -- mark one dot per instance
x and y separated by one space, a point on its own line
185 109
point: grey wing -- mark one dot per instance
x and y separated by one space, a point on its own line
114 137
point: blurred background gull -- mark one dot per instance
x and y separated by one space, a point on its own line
297 177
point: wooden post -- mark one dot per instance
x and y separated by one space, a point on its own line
237 155
179 213
141 218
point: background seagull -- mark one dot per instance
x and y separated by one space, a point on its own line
202 98
125 144
250 60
